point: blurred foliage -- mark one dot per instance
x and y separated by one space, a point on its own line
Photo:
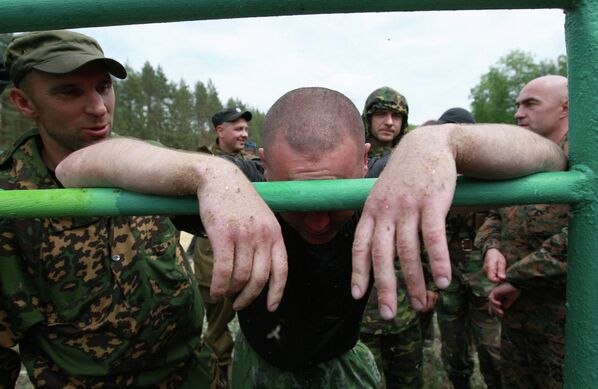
152 107
493 99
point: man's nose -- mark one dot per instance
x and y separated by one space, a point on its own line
95 104
388 119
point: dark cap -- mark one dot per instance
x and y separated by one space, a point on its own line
456 115
57 52
230 115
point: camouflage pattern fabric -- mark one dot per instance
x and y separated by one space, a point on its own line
95 302
355 369
399 356
462 309
397 342
219 312
385 98
545 357
533 239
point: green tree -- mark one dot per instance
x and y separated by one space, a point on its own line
129 116
493 99
207 103
157 92
183 129
12 124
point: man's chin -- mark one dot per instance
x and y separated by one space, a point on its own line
319 238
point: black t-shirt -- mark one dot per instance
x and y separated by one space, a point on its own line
317 319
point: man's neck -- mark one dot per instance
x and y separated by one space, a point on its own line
558 136
378 144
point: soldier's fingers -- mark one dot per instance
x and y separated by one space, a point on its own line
278 275
223 266
434 235
501 270
408 249
383 255
242 266
258 278
362 243
491 270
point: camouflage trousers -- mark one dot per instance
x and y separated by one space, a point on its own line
399 356
355 369
532 360
464 322
219 312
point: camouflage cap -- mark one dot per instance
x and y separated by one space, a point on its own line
57 52
385 98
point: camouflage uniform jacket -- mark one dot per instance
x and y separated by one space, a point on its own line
93 301
533 239
214 149
406 316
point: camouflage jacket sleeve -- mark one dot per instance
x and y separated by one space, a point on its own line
543 268
488 236
10 335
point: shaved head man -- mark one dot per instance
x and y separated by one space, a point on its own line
543 107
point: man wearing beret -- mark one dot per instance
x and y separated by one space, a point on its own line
100 302
231 130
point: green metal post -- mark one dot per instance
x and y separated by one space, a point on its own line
28 15
581 363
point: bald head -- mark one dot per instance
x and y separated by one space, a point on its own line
312 121
554 86
543 107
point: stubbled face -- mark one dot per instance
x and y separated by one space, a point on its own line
232 135
71 110
386 125
347 160
539 109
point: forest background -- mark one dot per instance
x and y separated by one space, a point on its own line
151 106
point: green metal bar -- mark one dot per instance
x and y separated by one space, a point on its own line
29 15
320 195
581 362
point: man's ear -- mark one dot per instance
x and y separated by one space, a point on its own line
22 103
219 130
262 155
367 148
565 107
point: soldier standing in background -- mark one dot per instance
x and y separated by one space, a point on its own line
397 344
525 252
231 129
462 309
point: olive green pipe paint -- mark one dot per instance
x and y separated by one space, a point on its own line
581 362
321 195
29 15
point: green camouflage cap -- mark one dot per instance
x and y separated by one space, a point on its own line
385 98
57 52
